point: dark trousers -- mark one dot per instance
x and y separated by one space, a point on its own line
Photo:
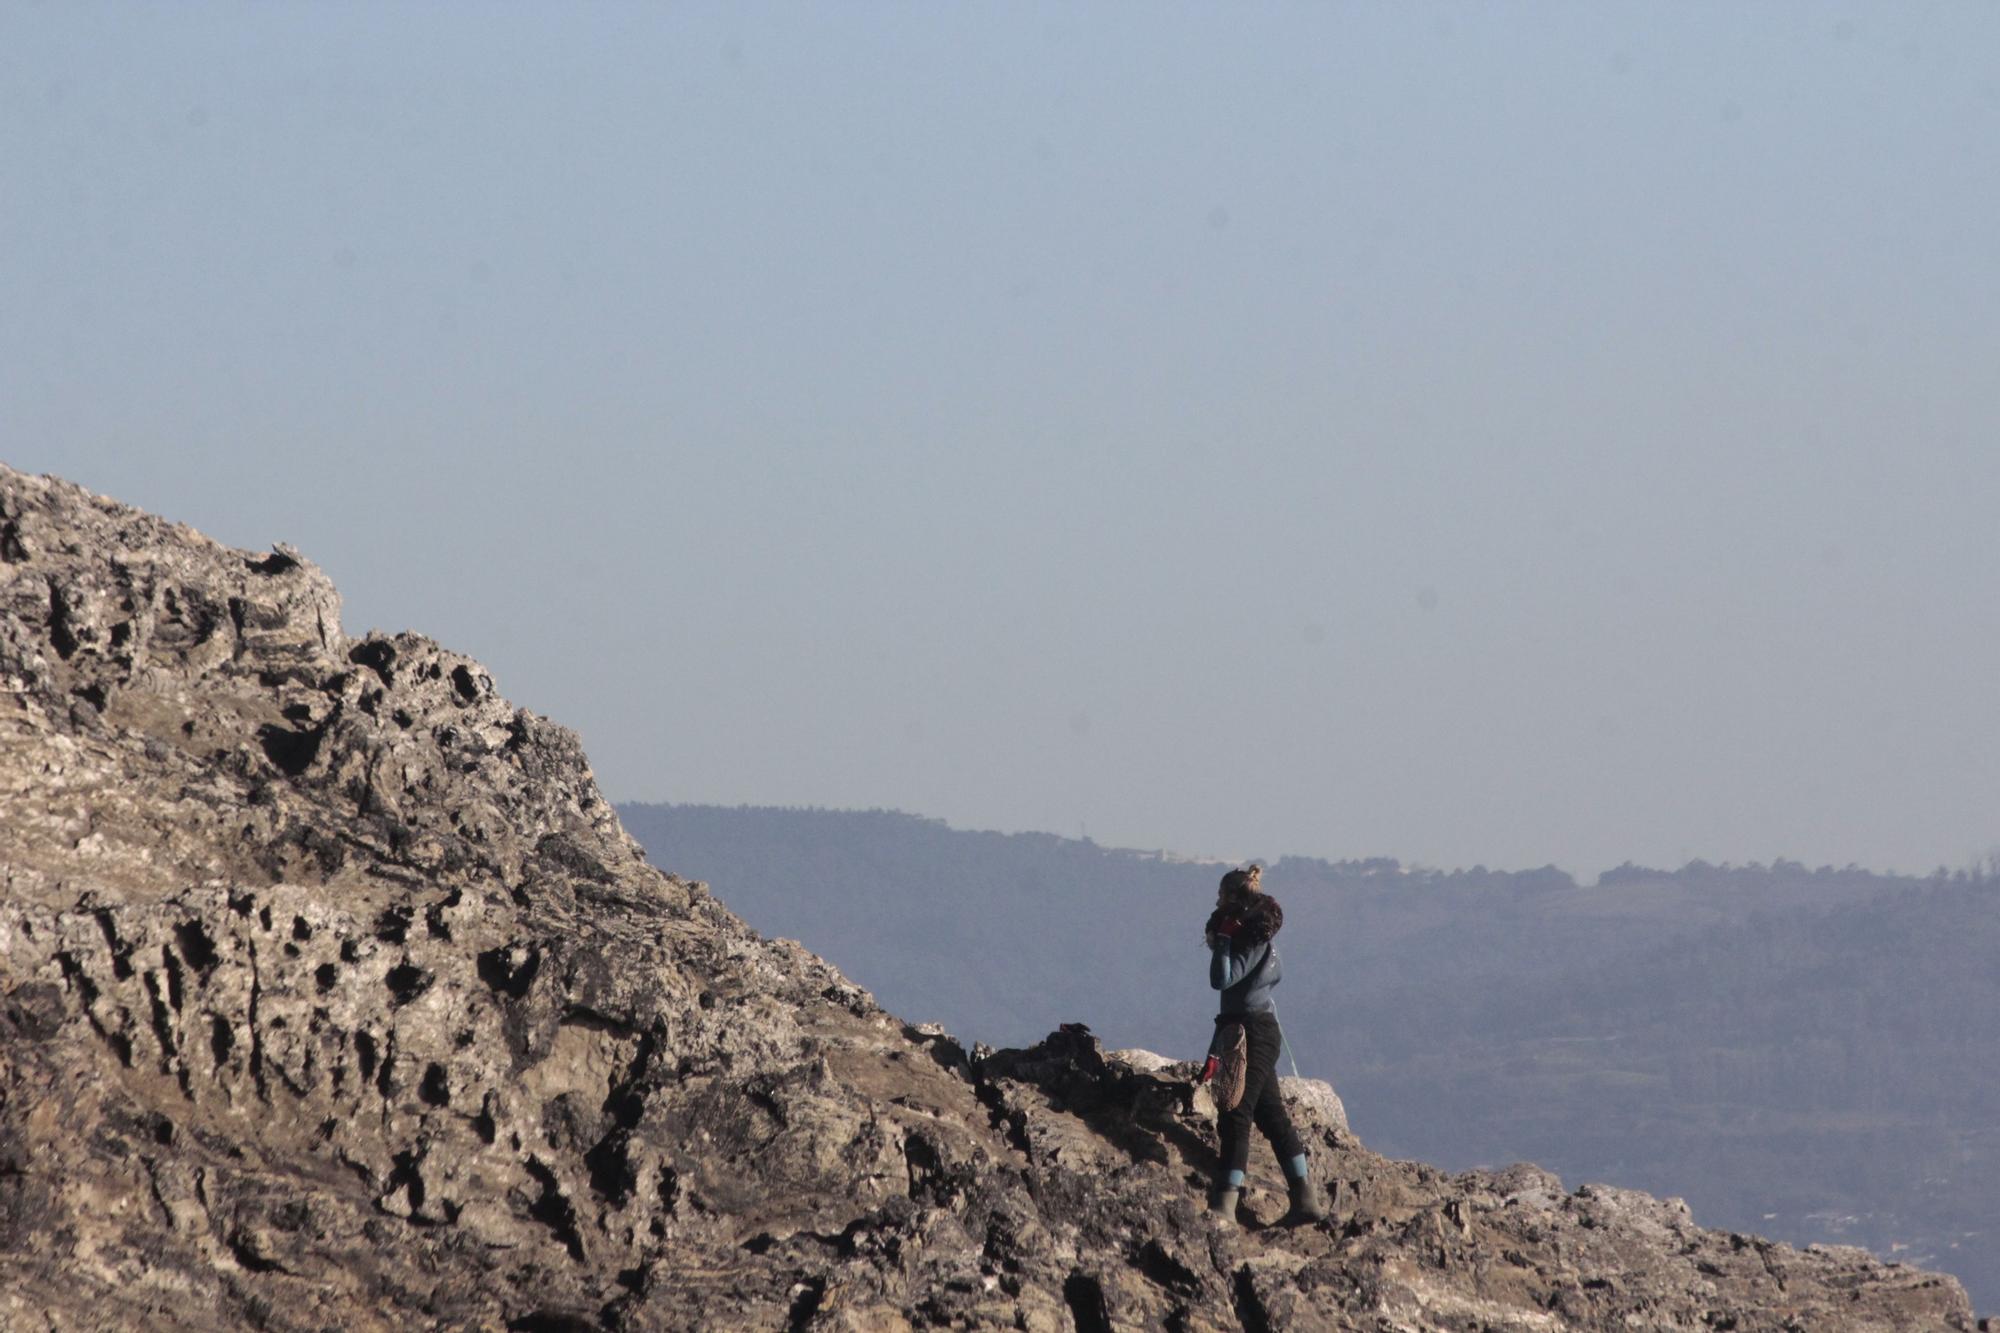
1261 1103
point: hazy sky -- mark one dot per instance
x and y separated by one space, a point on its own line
1470 434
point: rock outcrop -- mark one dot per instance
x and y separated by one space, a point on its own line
333 996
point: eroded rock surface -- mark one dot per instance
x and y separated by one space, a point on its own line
333 996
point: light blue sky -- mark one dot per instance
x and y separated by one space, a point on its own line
1471 434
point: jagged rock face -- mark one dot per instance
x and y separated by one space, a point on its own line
333 996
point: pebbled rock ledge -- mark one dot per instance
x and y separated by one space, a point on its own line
333 996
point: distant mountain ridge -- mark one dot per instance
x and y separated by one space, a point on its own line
1806 1052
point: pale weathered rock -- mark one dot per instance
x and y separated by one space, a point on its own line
1314 1098
333 996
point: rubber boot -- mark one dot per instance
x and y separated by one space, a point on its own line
1308 1202
1222 1201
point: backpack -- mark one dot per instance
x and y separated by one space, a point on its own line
1233 1069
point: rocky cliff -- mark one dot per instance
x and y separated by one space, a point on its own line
333 996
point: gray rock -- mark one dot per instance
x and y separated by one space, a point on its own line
1314 1100
333 995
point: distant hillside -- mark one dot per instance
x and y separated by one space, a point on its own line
1806 1053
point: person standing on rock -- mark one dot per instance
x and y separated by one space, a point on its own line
1244 966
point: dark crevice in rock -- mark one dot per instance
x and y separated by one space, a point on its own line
153 1185
1084 1295
612 1174
406 981
248 1256
1250 1311
434 921
555 1321
384 871
554 1210
368 1053
812 1291
378 655
73 972
385 1069
596 1020
121 953
86 989
923 1163
62 634
393 925
626 1101
291 751
197 946
275 563
670 1188
406 1175
435 1088
324 977
175 989
483 1124
12 550
221 1040
500 970
1010 1121
256 1030
1163 1269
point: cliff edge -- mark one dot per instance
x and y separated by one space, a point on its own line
333 996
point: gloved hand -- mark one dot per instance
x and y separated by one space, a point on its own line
1208 1070
1227 927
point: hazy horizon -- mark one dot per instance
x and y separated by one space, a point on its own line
1465 436
1585 878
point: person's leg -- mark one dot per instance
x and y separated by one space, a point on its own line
1260 1077
1308 1200
1275 1122
1233 1129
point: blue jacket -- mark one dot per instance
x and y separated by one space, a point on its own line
1244 973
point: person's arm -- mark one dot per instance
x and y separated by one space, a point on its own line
1226 966
1219 961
